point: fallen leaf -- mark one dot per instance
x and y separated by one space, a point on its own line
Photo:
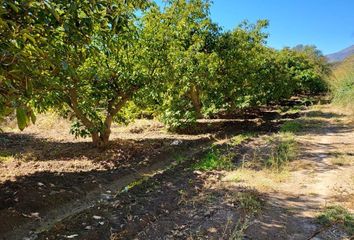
212 230
72 236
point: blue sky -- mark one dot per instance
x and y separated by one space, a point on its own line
328 24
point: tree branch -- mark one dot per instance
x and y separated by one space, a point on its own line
75 107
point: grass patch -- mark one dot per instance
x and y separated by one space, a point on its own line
238 139
291 126
238 233
337 215
342 82
213 160
263 180
6 157
135 183
249 201
342 160
292 110
283 149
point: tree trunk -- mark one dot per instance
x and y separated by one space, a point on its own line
101 139
197 104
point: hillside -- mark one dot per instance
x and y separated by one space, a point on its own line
341 55
341 83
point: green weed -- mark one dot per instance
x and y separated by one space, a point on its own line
238 233
213 160
292 127
6 157
249 201
292 110
135 183
238 139
283 149
337 215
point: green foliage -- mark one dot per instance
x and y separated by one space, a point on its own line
21 36
342 84
101 61
184 35
78 130
24 117
291 127
337 215
238 139
242 52
283 149
249 201
95 63
132 111
308 67
213 160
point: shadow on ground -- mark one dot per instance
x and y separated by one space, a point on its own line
153 209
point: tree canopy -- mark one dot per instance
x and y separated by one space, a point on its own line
93 61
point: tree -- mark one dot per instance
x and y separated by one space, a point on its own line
21 35
94 63
307 67
244 54
93 60
185 34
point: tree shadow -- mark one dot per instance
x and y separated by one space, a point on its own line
177 204
284 217
321 114
316 122
44 190
32 148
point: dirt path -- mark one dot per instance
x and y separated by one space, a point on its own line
323 177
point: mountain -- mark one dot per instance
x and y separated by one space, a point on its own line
341 55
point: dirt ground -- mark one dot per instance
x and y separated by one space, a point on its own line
143 185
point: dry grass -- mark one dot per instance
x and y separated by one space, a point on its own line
264 180
342 81
342 160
